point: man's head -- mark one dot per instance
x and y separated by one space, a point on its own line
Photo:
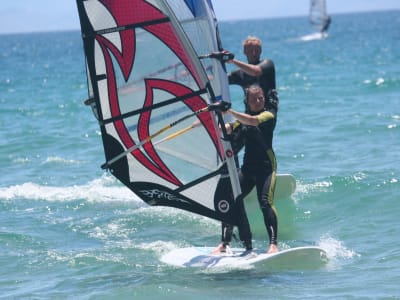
252 49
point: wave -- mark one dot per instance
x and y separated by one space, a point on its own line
57 159
357 181
48 160
382 82
103 189
337 253
320 186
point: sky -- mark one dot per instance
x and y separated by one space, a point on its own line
53 15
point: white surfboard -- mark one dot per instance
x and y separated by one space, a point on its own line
314 36
298 258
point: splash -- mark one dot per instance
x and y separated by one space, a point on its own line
335 249
321 186
160 247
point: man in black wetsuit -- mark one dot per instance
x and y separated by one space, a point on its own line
261 72
325 25
255 127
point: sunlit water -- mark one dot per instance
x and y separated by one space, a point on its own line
68 230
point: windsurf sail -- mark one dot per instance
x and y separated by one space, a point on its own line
153 69
318 16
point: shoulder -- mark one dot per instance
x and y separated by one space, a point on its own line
266 64
265 116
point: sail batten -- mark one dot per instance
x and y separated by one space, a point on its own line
126 27
144 78
154 106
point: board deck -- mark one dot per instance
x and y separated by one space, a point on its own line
309 257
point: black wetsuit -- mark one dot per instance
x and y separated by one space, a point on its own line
258 170
259 163
327 22
266 80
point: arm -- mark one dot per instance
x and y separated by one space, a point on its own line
250 120
252 70
245 118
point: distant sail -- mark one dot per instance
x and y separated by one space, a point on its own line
318 16
150 91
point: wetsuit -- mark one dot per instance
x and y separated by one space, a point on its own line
266 80
258 170
325 26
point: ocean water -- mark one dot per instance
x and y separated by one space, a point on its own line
70 231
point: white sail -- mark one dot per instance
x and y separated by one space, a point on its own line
150 92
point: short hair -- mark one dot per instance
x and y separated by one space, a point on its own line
252 39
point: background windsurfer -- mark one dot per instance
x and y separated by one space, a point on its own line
325 25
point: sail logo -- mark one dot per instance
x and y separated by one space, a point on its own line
229 153
156 194
223 206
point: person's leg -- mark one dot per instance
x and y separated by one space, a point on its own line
265 191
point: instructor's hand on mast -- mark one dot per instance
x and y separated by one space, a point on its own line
221 106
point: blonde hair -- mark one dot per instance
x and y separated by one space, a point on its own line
252 39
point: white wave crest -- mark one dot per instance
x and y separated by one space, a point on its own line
311 187
57 159
103 189
335 249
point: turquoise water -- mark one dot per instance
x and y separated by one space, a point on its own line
68 230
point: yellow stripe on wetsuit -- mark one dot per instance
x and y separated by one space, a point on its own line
265 116
271 191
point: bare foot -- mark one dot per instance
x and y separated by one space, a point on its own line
272 249
219 249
